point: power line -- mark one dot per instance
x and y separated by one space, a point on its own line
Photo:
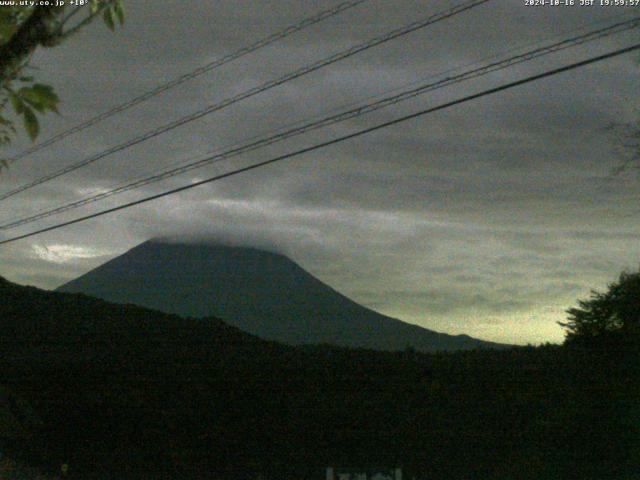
306 22
123 185
334 141
527 56
254 91
340 117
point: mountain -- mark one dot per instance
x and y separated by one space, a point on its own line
79 328
263 293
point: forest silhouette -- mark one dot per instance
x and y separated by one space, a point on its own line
119 391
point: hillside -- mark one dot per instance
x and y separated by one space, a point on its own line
263 293
125 392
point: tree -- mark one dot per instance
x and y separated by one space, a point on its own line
23 29
614 314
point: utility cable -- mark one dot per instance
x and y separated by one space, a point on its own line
252 92
340 117
334 141
306 22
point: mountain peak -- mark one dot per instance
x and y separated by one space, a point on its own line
213 243
259 291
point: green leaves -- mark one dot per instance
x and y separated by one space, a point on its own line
41 97
95 6
10 19
118 9
31 124
108 17
112 13
27 99
16 102
6 131
31 99
7 30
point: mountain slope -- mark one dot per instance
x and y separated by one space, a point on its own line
262 293
77 328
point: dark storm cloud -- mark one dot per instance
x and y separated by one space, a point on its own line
489 218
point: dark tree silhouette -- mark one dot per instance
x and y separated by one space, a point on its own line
119 391
614 314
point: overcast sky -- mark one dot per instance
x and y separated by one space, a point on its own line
489 218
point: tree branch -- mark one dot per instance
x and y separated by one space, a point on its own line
32 33
86 21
